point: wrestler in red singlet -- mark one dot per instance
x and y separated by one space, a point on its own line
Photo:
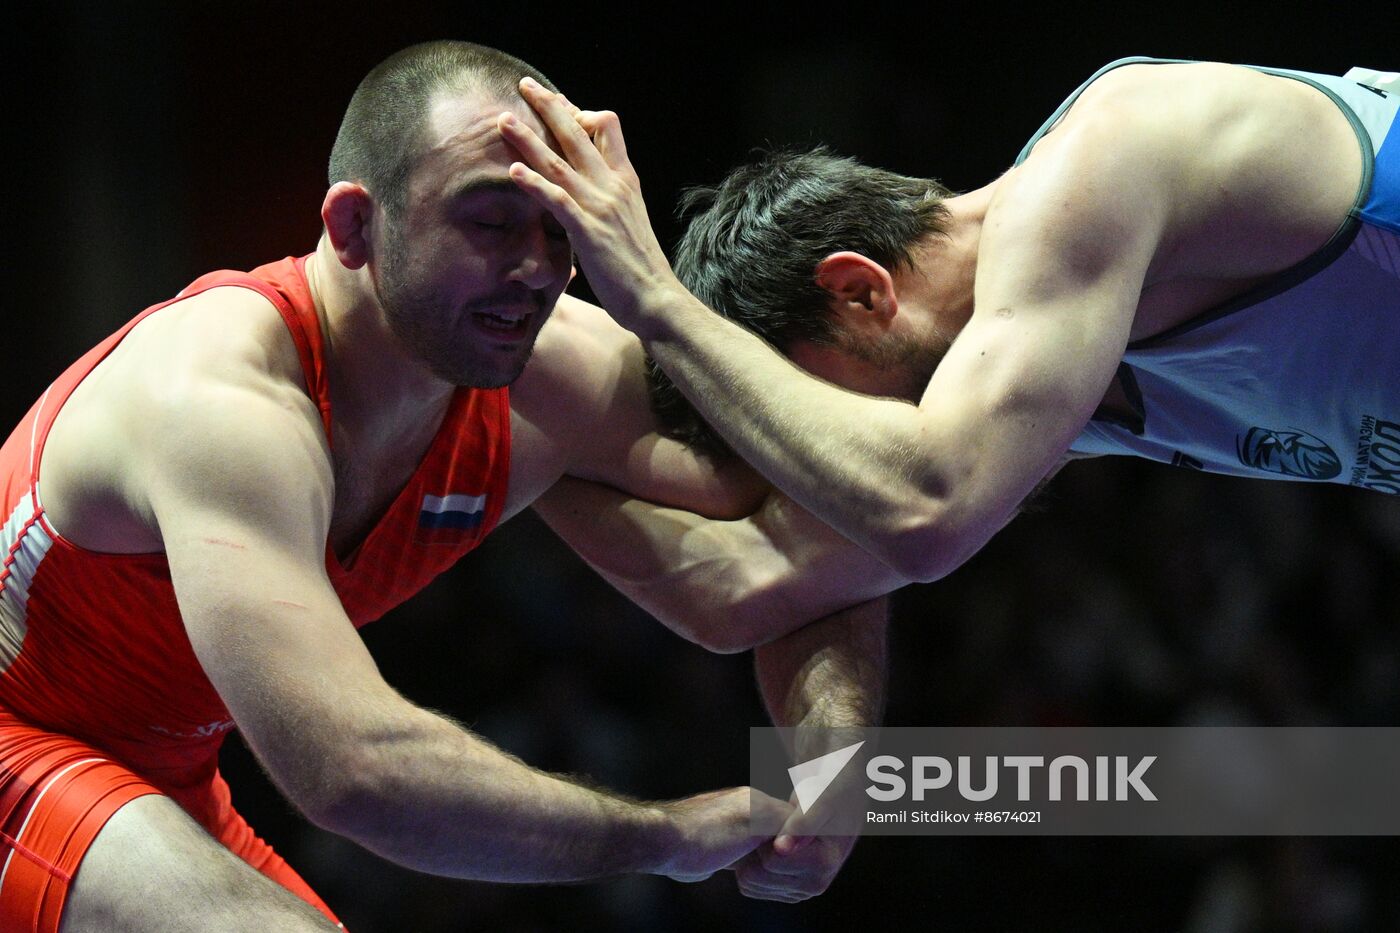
101 697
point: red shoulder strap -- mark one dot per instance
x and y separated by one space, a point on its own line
284 284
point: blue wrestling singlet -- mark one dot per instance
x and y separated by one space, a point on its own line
1300 377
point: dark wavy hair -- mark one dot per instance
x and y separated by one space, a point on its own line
751 250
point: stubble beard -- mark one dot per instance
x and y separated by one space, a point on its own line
422 323
914 358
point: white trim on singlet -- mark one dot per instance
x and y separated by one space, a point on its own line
455 502
23 544
35 806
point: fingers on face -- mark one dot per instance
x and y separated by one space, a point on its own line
606 130
549 190
532 149
583 134
554 198
559 115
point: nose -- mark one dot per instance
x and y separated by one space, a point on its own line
540 259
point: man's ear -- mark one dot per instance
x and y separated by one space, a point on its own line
346 213
862 290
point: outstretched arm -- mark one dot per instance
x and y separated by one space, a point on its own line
238 486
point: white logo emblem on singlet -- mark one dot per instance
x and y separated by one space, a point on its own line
200 732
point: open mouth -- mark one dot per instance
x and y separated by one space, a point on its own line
504 325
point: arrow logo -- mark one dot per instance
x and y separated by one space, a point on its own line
810 779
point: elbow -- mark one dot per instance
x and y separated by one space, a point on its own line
341 763
725 629
351 790
338 795
740 618
920 543
918 558
765 614
726 637
727 607
755 604
365 803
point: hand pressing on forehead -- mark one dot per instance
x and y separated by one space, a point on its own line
593 192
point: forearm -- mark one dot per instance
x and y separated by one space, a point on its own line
831 674
726 585
429 795
826 680
867 466
678 566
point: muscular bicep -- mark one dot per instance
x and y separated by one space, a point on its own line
240 490
1065 249
1012 401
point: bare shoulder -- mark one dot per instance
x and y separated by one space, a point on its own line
1189 115
209 380
1170 89
1260 156
1216 112
1254 171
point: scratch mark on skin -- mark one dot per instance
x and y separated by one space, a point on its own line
288 602
224 542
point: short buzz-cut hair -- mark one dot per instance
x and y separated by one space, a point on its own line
381 134
755 240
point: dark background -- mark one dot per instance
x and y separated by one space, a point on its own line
151 144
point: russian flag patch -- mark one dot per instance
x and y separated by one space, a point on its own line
457 512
